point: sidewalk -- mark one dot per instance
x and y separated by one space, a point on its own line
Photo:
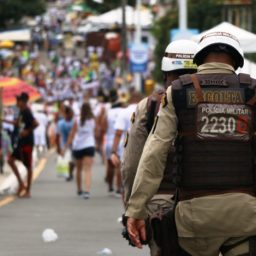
84 227
8 181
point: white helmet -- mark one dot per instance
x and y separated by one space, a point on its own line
179 54
220 38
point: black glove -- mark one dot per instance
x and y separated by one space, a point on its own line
165 234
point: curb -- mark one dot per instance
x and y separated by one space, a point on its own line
9 185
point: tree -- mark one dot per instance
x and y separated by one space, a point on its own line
161 31
11 11
202 14
252 56
253 15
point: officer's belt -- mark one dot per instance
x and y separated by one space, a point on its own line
187 194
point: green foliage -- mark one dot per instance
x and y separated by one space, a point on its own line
161 32
202 14
253 15
252 56
14 10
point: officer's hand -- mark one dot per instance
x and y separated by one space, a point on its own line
115 159
137 231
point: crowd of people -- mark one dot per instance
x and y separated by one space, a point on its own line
82 128
77 114
182 159
70 81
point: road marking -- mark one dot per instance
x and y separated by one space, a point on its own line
7 200
38 169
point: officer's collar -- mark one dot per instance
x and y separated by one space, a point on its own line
215 67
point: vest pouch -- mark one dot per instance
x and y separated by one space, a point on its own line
230 122
165 233
216 129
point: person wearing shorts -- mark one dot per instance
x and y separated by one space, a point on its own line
25 123
82 139
64 127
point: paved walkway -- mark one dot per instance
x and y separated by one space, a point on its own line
8 182
84 227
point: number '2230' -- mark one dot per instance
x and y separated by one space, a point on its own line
224 124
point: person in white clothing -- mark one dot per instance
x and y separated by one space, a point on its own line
40 132
109 122
8 115
82 139
122 126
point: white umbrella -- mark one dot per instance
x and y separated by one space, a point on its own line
16 35
115 17
89 27
111 35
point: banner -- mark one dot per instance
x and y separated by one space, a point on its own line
177 34
138 58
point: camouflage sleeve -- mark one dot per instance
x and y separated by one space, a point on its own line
153 160
133 149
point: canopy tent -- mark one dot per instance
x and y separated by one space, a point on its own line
246 38
132 17
248 68
23 35
89 27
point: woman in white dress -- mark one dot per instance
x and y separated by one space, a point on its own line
82 139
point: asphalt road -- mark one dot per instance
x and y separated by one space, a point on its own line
84 227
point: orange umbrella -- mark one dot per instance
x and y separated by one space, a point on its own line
13 87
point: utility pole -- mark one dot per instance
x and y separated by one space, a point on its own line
124 44
137 75
1 127
183 31
183 23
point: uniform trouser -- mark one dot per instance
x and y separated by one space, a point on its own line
207 224
158 202
211 246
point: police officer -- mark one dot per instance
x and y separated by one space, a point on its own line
210 115
178 60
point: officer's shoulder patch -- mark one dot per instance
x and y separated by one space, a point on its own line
164 100
133 118
214 82
185 79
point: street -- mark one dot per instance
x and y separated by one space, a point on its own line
84 227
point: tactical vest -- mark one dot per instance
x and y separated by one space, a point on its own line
153 105
215 142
